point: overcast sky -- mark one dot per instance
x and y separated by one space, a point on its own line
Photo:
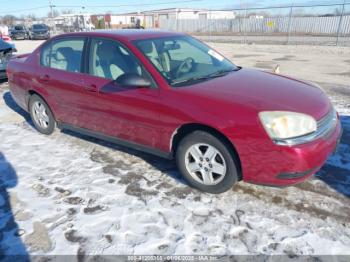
40 7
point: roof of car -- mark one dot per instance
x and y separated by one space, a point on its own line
129 34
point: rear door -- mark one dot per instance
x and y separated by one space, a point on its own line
62 78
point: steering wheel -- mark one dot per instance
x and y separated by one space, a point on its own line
185 66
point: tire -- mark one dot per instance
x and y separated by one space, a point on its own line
205 178
41 115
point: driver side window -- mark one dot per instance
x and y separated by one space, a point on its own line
109 59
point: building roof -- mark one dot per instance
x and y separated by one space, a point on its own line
128 34
175 9
164 10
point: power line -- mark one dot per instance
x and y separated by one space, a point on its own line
96 6
24 10
126 5
288 6
171 2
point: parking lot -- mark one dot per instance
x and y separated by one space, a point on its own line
70 194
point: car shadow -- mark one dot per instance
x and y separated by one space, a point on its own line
11 245
335 172
13 105
164 165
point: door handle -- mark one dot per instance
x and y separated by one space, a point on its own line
91 88
45 78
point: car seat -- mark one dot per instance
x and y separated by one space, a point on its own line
109 61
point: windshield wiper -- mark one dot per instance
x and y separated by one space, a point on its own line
219 73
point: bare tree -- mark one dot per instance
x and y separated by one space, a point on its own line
337 11
8 19
31 17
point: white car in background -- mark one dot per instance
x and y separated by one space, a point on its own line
5 34
4 30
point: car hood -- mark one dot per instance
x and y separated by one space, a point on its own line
263 91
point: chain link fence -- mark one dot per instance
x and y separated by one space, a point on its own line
315 25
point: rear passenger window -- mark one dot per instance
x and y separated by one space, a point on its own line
63 54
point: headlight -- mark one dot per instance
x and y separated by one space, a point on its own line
284 125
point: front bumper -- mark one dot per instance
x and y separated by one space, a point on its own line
40 36
288 165
18 36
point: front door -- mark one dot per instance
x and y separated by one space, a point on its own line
130 114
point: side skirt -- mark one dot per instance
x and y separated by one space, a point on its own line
116 140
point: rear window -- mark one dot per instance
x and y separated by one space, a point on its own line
19 28
63 54
39 27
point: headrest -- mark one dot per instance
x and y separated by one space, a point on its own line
148 47
64 52
106 50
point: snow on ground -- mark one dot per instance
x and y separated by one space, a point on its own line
70 194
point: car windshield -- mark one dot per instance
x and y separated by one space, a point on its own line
183 60
19 28
39 27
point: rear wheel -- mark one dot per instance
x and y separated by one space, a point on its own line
41 115
206 162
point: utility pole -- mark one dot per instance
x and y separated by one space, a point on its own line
52 18
290 22
340 22
245 27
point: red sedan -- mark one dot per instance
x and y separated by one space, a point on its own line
173 96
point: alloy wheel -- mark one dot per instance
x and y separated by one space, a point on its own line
40 114
205 164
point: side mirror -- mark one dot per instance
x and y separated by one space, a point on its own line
133 80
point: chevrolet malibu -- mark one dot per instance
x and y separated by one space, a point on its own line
171 95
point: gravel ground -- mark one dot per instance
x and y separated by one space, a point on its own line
69 194
282 40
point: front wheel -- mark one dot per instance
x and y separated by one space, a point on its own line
41 115
206 162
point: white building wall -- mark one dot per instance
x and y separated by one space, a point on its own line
195 14
125 19
188 15
221 15
119 19
4 30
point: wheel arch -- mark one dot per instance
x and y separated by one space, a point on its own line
186 129
33 92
